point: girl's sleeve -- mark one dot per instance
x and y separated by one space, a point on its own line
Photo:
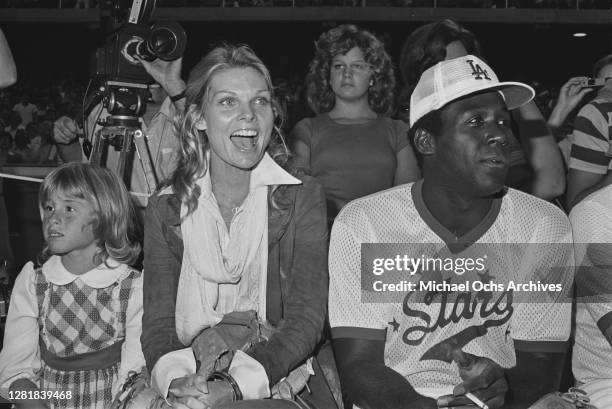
20 355
132 357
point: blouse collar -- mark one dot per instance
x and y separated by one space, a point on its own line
266 173
99 277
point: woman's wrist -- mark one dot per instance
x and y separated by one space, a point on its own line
228 382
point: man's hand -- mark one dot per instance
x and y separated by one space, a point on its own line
481 376
65 131
166 73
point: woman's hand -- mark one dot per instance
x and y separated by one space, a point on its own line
218 392
187 391
194 392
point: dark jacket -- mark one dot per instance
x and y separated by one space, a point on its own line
297 277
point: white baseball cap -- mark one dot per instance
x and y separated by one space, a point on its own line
452 79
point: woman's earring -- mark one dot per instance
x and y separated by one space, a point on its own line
371 83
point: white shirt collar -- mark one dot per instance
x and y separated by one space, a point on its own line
269 173
266 173
99 277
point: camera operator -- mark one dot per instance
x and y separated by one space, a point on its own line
156 125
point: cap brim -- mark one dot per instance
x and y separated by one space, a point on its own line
516 94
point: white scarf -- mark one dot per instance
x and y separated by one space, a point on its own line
223 272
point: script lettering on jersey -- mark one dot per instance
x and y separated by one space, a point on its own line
464 307
478 72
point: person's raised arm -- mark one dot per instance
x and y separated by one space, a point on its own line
541 151
570 95
8 70
168 75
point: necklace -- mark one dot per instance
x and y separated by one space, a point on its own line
233 209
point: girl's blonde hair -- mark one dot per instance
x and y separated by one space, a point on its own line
194 143
115 224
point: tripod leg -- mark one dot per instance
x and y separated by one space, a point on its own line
124 156
142 150
98 148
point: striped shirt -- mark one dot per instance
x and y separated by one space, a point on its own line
591 150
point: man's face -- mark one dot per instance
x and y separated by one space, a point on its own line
472 151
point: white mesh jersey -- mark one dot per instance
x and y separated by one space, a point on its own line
592 225
493 328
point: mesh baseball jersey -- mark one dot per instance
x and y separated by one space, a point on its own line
592 225
488 325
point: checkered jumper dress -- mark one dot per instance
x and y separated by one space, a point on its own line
76 319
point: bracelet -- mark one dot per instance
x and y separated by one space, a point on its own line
230 379
178 96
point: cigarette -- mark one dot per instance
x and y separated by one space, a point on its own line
476 401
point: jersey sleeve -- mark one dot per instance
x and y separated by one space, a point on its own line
592 227
591 141
544 316
349 315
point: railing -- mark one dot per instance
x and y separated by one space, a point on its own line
521 4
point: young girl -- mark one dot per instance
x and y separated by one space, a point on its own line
74 323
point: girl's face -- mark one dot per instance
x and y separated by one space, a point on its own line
350 75
68 226
238 117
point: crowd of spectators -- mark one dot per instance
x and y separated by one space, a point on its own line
27 114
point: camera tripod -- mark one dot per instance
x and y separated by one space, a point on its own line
128 140
121 131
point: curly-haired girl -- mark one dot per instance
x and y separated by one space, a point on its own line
351 146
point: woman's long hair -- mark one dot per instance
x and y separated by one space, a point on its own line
193 164
340 40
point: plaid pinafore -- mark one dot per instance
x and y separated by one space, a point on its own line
78 321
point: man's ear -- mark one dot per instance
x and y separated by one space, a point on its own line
424 142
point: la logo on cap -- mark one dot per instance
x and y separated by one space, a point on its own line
477 71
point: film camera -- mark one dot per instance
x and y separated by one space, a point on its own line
122 83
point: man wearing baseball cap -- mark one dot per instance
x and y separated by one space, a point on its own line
449 345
